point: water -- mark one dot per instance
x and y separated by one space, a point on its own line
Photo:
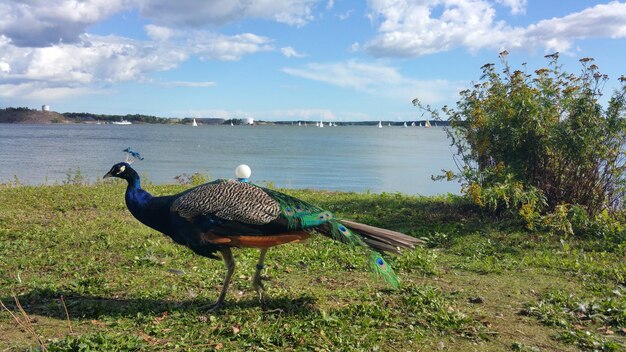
349 158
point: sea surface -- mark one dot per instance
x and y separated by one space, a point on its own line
347 158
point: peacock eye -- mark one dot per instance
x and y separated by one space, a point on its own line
121 169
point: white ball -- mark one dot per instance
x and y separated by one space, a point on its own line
243 171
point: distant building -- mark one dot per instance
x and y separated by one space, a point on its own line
45 108
249 121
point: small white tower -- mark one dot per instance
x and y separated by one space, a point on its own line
45 108
249 121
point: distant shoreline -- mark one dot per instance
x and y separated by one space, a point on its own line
32 116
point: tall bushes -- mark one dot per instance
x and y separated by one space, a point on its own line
541 140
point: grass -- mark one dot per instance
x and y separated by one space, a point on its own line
481 284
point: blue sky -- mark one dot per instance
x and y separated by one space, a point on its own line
285 59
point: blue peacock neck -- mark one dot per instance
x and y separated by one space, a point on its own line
151 211
137 199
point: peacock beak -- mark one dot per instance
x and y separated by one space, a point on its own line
108 174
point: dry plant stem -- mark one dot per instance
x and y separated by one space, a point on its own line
13 315
26 324
29 324
67 315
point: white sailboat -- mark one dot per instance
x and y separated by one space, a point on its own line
389 124
412 124
194 123
404 125
427 124
380 125
321 124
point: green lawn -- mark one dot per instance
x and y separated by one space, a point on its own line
482 284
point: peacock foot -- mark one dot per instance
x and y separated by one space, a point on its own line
215 306
257 283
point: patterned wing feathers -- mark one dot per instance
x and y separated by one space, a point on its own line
229 200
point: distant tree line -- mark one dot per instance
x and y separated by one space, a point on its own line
20 109
16 115
136 118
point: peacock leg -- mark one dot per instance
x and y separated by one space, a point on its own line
227 255
256 281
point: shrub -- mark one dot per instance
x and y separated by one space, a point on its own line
545 130
542 140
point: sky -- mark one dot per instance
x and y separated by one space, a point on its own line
330 60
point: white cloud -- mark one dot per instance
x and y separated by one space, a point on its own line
604 20
96 61
518 7
213 46
73 69
377 79
349 74
160 33
408 29
38 23
193 13
5 67
291 52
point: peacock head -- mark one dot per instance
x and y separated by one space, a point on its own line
121 170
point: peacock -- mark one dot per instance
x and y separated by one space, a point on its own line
226 213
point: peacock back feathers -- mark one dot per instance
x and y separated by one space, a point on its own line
230 200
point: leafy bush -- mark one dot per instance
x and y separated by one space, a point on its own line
535 142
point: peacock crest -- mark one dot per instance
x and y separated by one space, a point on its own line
131 156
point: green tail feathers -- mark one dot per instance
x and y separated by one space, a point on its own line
303 215
299 214
341 233
384 270
314 219
379 266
